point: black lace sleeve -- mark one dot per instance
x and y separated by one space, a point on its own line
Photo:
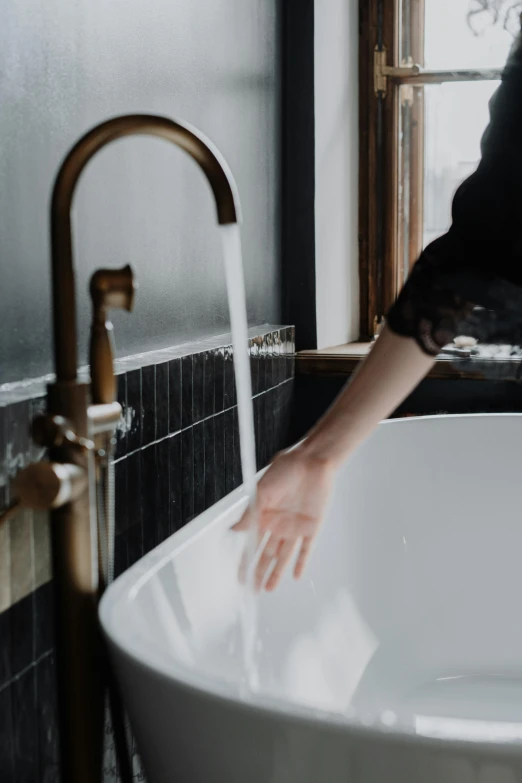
469 281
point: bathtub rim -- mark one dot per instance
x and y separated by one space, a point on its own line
124 588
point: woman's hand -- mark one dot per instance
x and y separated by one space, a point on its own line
291 502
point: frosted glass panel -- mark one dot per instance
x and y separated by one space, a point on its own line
456 116
450 43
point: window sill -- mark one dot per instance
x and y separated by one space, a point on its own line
342 360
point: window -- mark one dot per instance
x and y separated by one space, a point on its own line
427 71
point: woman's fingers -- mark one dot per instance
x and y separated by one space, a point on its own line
284 556
270 551
303 556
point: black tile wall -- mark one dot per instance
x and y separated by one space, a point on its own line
177 453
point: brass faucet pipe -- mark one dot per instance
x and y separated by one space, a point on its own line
189 139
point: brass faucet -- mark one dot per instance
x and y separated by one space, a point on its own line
77 415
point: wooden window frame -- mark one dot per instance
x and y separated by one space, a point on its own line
384 242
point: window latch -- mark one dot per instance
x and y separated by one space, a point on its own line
382 72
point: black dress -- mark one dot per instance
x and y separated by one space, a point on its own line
469 281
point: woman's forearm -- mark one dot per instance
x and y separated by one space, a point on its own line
391 371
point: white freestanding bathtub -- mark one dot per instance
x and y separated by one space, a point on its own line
397 657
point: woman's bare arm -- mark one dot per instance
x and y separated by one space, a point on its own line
293 493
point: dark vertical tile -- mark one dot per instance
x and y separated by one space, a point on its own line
262 446
258 427
21 616
162 491
290 336
120 493
47 709
5 646
219 380
7 772
174 395
134 410
238 475
121 432
277 408
230 382
278 361
37 408
265 370
199 469
269 426
3 457
162 400
210 463
134 536
253 349
228 418
43 620
187 462
187 407
121 554
18 439
271 361
198 386
148 497
25 721
134 492
148 401
209 398
176 483
219 456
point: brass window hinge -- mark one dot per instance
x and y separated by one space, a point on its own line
382 72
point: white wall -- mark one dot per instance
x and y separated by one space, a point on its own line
336 171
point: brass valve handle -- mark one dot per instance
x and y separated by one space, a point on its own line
45 485
110 288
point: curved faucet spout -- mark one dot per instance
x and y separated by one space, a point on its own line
189 139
